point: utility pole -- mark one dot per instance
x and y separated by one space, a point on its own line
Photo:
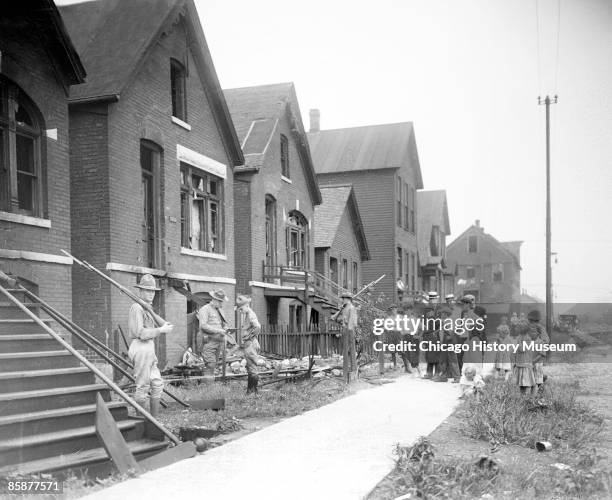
547 101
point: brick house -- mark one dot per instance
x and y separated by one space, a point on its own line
275 193
485 267
433 228
381 162
152 155
38 64
340 243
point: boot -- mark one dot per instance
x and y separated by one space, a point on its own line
154 404
252 381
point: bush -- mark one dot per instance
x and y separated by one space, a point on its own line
501 414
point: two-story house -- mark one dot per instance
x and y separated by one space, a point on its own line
381 162
340 243
275 195
38 64
433 228
152 154
485 267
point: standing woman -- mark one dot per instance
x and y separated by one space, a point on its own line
142 331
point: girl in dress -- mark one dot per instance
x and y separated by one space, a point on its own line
538 360
503 362
523 364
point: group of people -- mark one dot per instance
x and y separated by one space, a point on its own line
213 329
465 365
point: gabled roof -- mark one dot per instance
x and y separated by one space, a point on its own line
115 36
256 112
329 214
371 147
511 248
47 23
432 210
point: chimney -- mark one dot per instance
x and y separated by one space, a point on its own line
477 222
315 120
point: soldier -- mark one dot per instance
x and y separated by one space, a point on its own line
142 330
212 325
347 317
249 345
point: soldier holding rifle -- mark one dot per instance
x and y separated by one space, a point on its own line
142 330
347 317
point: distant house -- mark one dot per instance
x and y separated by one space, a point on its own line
275 192
38 64
340 242
382 164
153 150
487 268
433 228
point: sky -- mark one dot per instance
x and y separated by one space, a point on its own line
467 73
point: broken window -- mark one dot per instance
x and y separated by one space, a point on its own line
178 89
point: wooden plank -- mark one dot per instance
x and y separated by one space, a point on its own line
112 440
169 456
208 404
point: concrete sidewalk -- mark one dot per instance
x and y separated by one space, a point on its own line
339 451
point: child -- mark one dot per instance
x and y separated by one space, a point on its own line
470 382
503 362
538 360
523 364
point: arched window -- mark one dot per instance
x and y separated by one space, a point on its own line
21 159
297 240
270 230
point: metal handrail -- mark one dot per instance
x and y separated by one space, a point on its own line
91 366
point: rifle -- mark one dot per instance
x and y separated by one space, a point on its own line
369 285
146 306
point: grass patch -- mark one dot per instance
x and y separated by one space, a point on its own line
502 415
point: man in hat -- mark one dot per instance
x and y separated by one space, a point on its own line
142 331
347 317
450 300
212 325
449 366
392 336
467 312
249 330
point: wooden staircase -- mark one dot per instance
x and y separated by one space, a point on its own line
48 404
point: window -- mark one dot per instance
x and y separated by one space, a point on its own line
412 225
473 244
201 210
270 231
407 269
345 274
470 272
406 207
399 202
150 155
284 152
355 280
178 89
498 273
333 269
297 240
414 271
434 241
400 257
21 165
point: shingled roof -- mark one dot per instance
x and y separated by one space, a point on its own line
113 38
432 210
256 112
371 147
329 214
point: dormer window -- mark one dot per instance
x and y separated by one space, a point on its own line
178 88
284 154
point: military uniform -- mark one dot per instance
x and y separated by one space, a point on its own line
212 326
347 317
249 345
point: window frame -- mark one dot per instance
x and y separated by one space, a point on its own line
399 262
497 269
355 278
284 156
473 272
406 207
11 98
271 229
345 280
301 250
189 193
398 194
473 238
178 93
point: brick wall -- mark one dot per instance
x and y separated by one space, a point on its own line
26 63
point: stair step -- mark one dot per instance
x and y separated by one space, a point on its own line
37 446
15 326
12 403
45 379
8 310
41 360
39 422
28 342
87 458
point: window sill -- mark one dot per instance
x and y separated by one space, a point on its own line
286 179
181 123
200 253
25 219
